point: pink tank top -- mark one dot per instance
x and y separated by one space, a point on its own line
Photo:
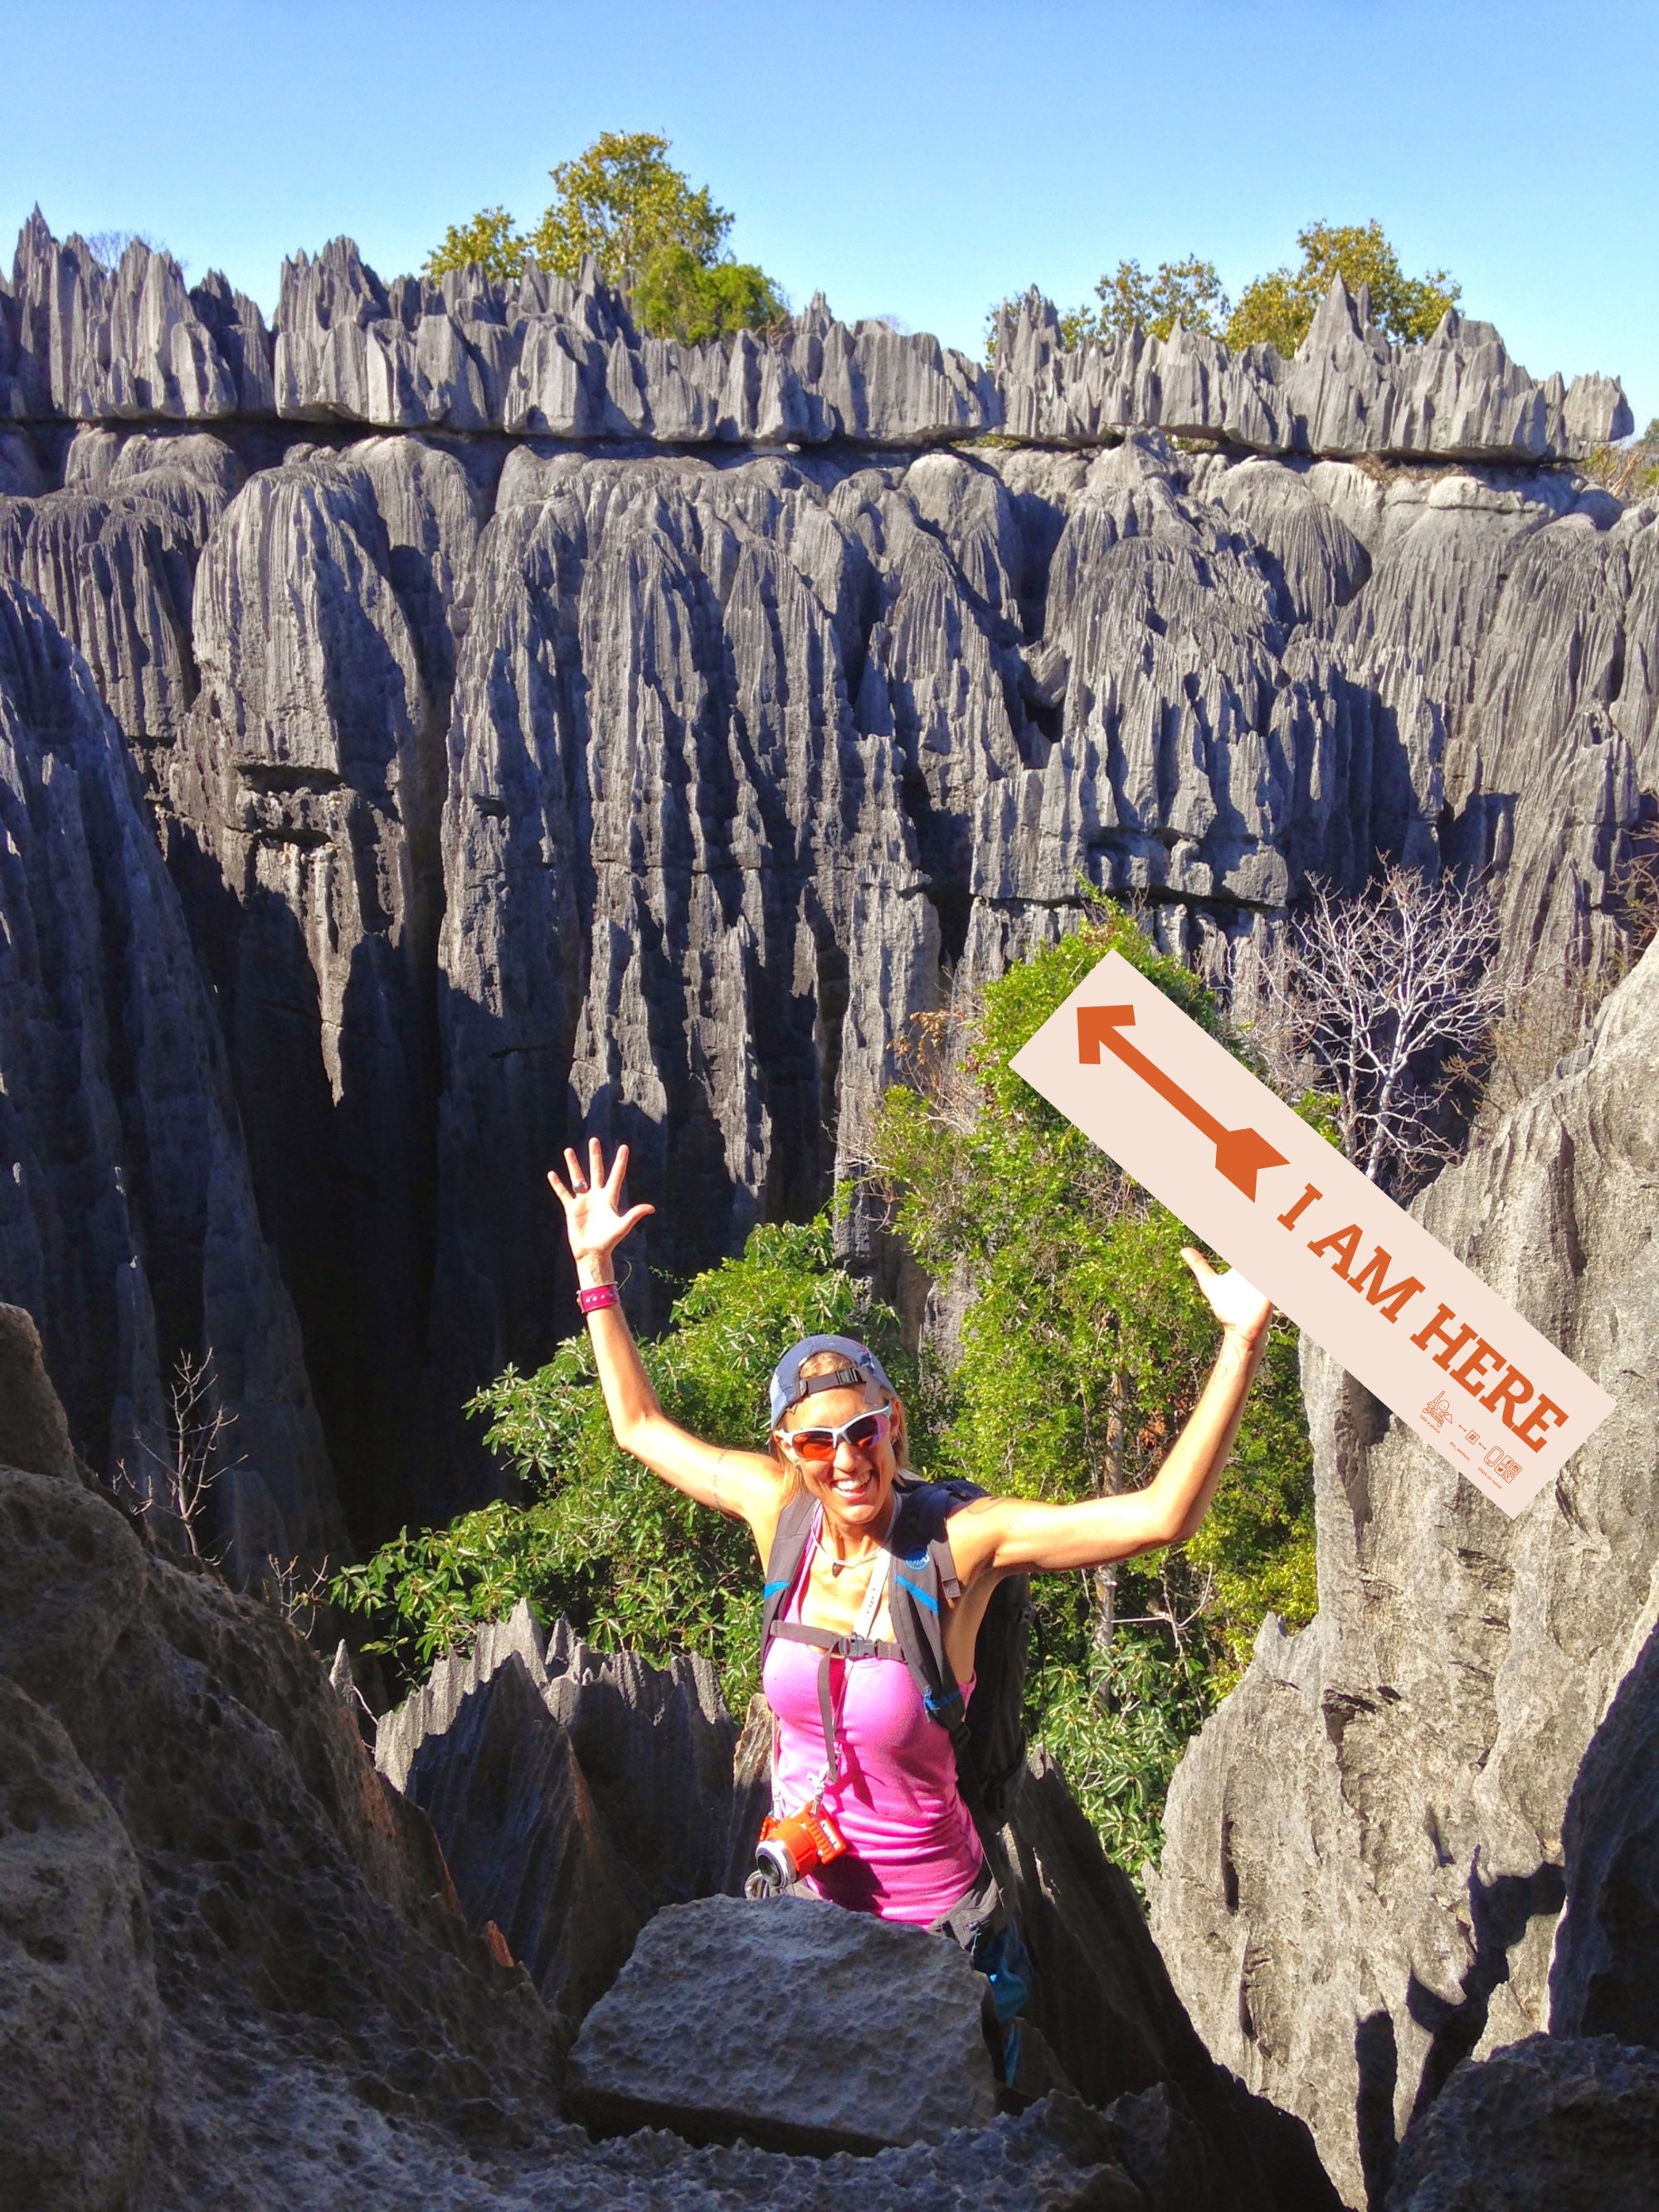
912 1849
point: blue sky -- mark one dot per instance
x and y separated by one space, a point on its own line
916 158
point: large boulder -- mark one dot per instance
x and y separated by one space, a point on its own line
1546 2124
720 2024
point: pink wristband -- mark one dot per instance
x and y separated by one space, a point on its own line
601 1296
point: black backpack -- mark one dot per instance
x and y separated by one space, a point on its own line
988 1737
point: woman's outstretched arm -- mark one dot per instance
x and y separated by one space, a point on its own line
747 1485
1008 1534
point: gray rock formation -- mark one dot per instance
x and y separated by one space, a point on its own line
574 1794
779 756
1541 2125
1103 2004
112 557
515 788
33 1433
232 1971
205 1881
719 2024
1347 391
128 1228
520 772
543 356
126 344
79 2019
303 799
1365 1845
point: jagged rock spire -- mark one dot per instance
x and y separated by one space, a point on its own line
542 355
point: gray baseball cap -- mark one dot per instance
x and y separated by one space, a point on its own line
861 1362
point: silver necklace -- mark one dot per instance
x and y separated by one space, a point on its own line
840 1567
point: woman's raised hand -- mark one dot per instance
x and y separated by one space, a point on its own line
591 1199
1236 1303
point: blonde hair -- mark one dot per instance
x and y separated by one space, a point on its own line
829 1363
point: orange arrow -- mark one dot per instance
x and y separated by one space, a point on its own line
1240 1154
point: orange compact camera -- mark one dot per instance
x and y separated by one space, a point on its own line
797 1844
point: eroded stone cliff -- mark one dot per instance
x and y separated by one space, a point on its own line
638 737
128 1225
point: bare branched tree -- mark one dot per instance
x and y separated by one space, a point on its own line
1385 1000
179 1479
298 1591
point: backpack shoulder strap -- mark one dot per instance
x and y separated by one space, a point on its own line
789 1542
923 1585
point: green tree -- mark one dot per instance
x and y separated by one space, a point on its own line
1186 292
490 241
656 237
1278 309
680 296
622 200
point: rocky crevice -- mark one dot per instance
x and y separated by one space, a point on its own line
234 1968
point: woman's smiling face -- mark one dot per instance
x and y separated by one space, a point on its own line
855 1487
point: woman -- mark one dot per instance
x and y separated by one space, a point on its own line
858 1746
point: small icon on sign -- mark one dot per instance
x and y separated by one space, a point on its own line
1437 1411
1499 1463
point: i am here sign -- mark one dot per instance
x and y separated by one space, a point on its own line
1177 1111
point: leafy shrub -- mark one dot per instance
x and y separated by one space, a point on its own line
680 296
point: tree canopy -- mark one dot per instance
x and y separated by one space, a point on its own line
491 241
656 237
1278 309
1275 309
622 200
